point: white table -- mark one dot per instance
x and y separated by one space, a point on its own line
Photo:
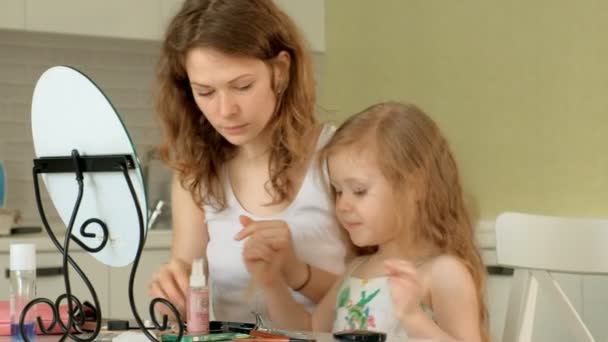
137 337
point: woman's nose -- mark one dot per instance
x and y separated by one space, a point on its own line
227 105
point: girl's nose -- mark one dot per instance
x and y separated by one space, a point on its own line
343 204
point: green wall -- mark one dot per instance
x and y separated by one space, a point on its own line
520 88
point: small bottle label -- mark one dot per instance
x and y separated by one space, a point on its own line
198 311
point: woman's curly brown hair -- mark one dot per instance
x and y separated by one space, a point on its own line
191 146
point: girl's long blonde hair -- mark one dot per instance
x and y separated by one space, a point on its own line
191 146
410 149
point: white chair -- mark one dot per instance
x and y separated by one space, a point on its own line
535 246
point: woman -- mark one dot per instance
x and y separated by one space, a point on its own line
236 100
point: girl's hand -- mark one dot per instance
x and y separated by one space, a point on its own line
267 250
406 288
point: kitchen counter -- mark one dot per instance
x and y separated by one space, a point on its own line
160 238
156 239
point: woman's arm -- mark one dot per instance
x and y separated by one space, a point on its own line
286 313
190 236
276 239
190 239
312 282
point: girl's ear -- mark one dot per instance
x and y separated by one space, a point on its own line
418 178
415 189
281 67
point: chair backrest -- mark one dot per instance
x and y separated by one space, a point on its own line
535 245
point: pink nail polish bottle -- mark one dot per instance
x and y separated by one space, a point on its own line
198 300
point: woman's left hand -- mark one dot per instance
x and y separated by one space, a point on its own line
406 288
268 251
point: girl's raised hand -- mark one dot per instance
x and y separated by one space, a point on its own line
406 288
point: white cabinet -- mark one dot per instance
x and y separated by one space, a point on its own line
309 16
168 8
111 284
119 279
134 19
113 18
12 14
50 284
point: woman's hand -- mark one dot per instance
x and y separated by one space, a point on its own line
171 282
406 288
268 251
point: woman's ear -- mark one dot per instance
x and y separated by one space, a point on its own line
281 67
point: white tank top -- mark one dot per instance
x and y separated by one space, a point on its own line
315 234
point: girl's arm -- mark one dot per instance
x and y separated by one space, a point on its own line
454 302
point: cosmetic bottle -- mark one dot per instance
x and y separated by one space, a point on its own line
22 289
198 300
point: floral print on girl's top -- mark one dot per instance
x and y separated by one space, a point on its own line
367 304
358 314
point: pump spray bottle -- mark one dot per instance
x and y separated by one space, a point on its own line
198 300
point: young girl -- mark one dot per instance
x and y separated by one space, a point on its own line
398 195
236 99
